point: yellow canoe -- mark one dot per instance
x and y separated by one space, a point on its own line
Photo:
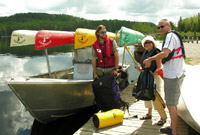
86 37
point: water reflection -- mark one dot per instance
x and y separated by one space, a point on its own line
13 115
16 120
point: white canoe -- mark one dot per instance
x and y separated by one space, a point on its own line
23 37
188 108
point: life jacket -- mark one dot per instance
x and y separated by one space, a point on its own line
146 55
177 50
105 56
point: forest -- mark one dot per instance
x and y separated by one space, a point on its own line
43 21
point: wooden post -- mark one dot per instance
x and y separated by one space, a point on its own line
192 39
197 39
188 39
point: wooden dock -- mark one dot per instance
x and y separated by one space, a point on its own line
132 125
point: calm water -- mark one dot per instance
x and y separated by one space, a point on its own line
13 116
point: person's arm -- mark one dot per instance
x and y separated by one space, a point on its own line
116 55
94 63
161 55
94 67
158 65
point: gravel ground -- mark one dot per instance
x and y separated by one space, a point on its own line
192 51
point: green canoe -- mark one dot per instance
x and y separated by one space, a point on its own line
128 36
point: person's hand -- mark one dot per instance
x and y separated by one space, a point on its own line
115 72
147 63
96 76
138 67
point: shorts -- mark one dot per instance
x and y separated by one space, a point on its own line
102 71
172 88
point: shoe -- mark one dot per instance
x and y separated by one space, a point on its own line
161 122
147 116
166 130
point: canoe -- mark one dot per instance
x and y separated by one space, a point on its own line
188 104
86 37
23 38
46 38
128 36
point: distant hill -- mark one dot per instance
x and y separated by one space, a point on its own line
24 17
39 21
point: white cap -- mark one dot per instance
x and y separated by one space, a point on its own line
149 38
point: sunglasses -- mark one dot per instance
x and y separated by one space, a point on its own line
102 32
148 42
161 27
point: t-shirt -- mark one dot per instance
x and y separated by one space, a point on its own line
173 68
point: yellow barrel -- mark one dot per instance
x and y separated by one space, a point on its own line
109 118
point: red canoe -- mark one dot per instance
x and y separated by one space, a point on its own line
46 38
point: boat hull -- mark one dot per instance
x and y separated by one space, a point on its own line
188 102
49 99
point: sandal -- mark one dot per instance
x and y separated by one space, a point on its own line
161 122
147 116
166 130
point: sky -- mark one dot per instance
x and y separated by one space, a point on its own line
130 10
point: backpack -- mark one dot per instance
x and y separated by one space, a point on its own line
107 93
145 88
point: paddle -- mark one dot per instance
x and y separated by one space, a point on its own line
131 56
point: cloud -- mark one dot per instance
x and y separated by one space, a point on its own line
143 6
191 4
2 4
131 10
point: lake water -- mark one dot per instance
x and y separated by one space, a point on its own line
15 120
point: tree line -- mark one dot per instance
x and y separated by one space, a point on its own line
43 21
189 26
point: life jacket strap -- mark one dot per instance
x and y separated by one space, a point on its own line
178 49
177 52
178 56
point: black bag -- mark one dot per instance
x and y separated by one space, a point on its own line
107 93
145 88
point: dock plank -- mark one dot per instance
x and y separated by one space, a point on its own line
133 125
